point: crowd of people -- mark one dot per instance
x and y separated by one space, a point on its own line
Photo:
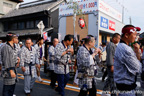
121 61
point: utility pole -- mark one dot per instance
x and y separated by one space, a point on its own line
122 13
74 20
76 11
130 20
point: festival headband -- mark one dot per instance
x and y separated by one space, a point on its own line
12 35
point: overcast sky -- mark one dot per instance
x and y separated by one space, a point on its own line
133 9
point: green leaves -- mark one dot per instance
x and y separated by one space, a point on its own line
76 9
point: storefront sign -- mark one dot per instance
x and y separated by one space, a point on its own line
111 25
104 23
87 6
105 8
107 24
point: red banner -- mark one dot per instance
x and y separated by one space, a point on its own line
45 35
111 25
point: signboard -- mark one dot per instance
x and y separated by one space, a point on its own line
41 26
105 8
87 6
111 25
107 24
104 23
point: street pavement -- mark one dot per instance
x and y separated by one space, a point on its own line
44 89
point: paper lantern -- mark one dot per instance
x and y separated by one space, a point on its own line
81 23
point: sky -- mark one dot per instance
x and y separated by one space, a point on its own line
132 8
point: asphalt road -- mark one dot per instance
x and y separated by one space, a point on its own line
44 89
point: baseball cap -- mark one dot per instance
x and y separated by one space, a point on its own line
130 29
138 28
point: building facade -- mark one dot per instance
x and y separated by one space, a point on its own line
6 6
101 20
23 21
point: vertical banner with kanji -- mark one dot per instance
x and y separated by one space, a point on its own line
45 35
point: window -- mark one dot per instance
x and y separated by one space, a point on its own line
27 24
13 26
21 25
30 24
36 22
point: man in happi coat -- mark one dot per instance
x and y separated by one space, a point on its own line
87 61
40 49
62 59
9 61
127 63
29 62
51 62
